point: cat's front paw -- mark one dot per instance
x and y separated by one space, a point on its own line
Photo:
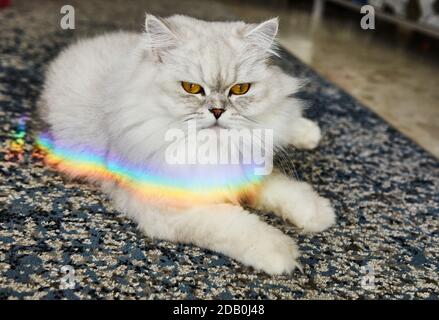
307 135
274 253
321 217
298 203
311 214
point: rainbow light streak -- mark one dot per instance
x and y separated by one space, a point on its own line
176 188
16 147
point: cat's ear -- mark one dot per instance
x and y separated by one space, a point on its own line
158 34
264 34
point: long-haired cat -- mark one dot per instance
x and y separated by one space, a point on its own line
115 97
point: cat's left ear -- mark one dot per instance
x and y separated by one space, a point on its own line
159 36
264 34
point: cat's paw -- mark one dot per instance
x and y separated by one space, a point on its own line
297 203
274 253
313 213
320 216
307 135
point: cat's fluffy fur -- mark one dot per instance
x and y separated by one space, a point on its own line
120 92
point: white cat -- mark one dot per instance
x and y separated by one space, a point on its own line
120 92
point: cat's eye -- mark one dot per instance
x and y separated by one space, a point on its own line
240 88
192 87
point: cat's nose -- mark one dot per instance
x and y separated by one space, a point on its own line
217 112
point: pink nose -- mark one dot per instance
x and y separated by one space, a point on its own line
217 112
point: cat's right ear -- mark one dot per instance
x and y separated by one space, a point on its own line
263 35
159 36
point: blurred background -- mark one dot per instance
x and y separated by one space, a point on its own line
392 69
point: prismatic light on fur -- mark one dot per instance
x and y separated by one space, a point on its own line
153 186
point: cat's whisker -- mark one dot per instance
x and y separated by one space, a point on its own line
250 119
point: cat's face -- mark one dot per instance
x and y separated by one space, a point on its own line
218 73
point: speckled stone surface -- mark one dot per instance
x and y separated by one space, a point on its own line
384 189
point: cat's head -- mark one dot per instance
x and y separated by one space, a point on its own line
220 73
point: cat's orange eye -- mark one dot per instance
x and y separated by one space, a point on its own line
240 88
192 87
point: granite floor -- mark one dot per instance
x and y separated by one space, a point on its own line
386 76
